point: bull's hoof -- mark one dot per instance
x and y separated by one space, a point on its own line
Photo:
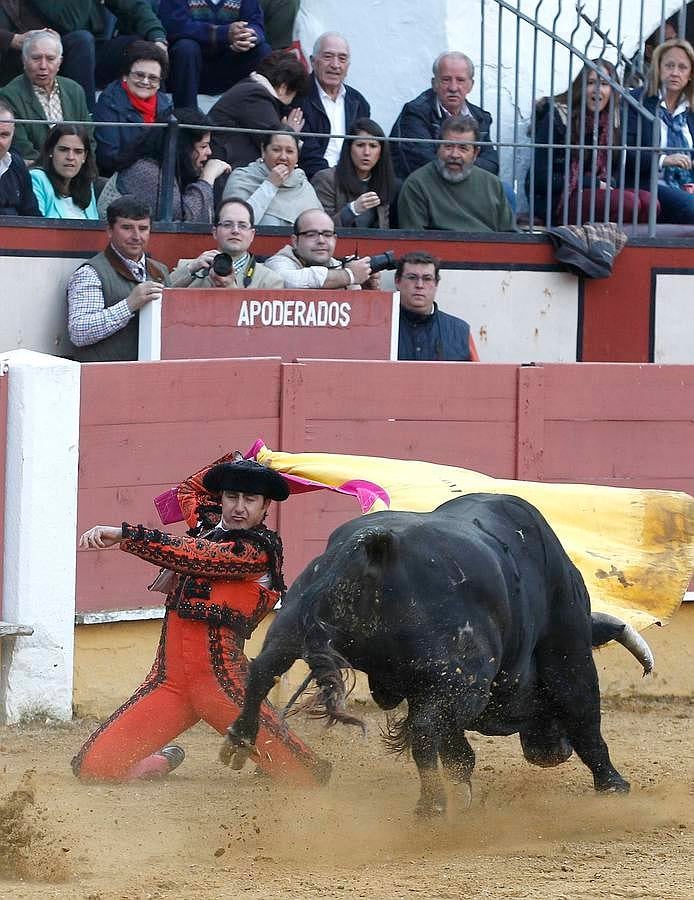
462 791
614 785
323 771
430 809
235 751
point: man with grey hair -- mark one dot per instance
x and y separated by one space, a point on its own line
40 93
330 106
453 79
451 193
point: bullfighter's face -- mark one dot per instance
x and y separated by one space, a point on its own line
240 510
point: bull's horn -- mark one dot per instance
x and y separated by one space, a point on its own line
636 645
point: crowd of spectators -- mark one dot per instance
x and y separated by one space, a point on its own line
287 140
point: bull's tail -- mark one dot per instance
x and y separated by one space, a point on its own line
335 681
609 628
397 734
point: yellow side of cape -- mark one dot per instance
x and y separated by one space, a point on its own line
634 548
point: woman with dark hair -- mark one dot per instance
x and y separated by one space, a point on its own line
274 186
669 96
134 98
359 191
63 176
194 176
264 101
594 112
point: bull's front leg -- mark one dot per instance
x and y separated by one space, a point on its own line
422 722
277 656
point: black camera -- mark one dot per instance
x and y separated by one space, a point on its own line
222 265
382 261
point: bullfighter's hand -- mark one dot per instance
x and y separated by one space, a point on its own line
101 536
234 752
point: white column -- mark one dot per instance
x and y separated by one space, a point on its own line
149 328
40 531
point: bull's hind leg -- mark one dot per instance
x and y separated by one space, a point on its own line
571 680
423 724
458 760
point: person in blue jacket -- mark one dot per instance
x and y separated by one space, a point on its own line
63 175
426 333
331 106
212 45
135 97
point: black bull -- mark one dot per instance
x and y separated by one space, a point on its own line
474 614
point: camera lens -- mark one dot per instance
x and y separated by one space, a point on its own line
381 261
222 265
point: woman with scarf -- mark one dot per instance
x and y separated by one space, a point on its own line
669 97
589 179
277 190
136 97
195 171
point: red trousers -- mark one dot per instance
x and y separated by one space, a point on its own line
199 673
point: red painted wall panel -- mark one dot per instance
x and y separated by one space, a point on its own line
142 431
4 382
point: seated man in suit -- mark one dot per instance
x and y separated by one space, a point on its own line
330 106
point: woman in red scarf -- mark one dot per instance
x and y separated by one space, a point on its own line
591 179
134 98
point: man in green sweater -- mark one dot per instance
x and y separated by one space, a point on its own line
451 193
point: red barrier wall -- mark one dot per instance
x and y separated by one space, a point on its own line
616 312
4 382
145 426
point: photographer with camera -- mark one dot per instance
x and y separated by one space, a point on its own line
231 265
308 262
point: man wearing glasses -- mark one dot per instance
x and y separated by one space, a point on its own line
231 265
308 262
427 333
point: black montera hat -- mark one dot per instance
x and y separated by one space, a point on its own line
248 476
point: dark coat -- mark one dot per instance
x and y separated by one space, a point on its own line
540 163
112 142
638 164
436 337
420 118
133 17
312 158
248 104
16 195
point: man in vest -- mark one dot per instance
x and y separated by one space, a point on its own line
426 333
105 295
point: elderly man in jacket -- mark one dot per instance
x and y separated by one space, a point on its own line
93 43
330 106
40 93
454 78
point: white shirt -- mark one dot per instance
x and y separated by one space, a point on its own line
5 163
335 111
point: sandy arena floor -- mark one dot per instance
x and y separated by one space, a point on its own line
211 833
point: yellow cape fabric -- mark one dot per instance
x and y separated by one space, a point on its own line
634 548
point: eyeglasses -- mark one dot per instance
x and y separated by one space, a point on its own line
415 279
145 77
312 233
235 226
